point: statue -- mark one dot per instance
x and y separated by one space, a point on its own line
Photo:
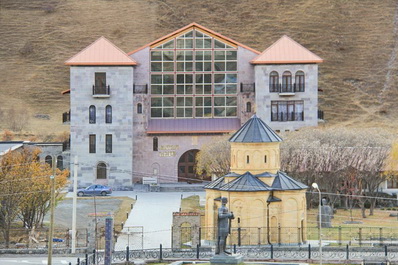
326 213
224 227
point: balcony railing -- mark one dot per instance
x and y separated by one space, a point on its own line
66 117
247 87
320 114
287 116
140 89
286 88
66 145
101 90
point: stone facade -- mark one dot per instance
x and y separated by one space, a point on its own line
185 230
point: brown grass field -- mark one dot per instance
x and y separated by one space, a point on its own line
356 38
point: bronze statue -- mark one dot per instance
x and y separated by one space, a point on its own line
224 226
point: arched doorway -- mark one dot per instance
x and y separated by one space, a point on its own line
187 167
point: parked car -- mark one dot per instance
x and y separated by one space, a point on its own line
94 190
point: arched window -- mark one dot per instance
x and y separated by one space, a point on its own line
155 144
139 108
273 82
60 162
299 85
49 160
247 160
248 107
101 170
108 114
287 82
265 159
92 114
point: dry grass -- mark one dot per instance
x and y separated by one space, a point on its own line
355 37
191 204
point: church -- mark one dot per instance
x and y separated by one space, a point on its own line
147 113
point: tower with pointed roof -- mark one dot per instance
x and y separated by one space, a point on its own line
262 197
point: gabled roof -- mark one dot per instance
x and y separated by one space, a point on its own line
286 51
246 182
193 26
284 182
255 131
101 52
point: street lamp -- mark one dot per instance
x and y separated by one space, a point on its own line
315 186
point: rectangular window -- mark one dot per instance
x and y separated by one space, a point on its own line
92 140
108 143
100 80
292 110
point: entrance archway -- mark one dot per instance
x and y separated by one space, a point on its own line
187 167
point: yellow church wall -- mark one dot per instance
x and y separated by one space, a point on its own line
251 157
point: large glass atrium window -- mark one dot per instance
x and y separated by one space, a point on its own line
194 75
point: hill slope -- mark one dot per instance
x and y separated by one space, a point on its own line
357 38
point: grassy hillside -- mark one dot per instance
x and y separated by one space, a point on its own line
357 38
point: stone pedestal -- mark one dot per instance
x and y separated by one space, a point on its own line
226 259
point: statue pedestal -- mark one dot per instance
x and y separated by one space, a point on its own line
226 259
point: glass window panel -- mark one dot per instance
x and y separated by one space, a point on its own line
156 67
219 89
188 101
207 43
218 44
169 45
232 66
219 112
180 79
168 101
167 112
207 101
199 78
231 101
188 112
189 78
180 112
189 34
180 101
231 111
180 89
219 78
207 66
180 66
180 43
188 89
156 89
168 67
180 55
188 66
156 56
188 44
168 56
231 55
219 101
219 66
199 66
199 55
156 102
207 112
231 89
168 89
199 34
207 89
199 112
188 56
168 79
207 78
231 78
199 89
156 79
156 112
219 55
207 55
199 101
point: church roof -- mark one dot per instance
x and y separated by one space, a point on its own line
272 198
283 182
255 131
101 52
286 51
246 182
216 184
265 175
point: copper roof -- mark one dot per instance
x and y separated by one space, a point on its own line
176 126
194 25
101 52
255 131
286 51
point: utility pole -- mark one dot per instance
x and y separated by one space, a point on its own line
74 205
51 232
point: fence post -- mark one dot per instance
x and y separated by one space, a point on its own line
347 253
272 251
160 252
128 252
309 251
197 251
259 235
200 236
239 242
279 235
234 248
381 235
385 250
94 260
299 236
340 236
360 236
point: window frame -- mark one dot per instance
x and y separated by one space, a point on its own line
101 170
92 144
92 114
108 143
108 114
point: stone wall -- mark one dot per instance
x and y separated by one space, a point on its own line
185 223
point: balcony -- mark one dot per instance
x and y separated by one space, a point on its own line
66 117
247 87
66 145
286 89
287 116
101 91
140 89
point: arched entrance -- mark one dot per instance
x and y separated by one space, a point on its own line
187 167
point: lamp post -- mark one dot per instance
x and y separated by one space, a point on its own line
315 186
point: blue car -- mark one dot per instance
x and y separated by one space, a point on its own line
94 190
